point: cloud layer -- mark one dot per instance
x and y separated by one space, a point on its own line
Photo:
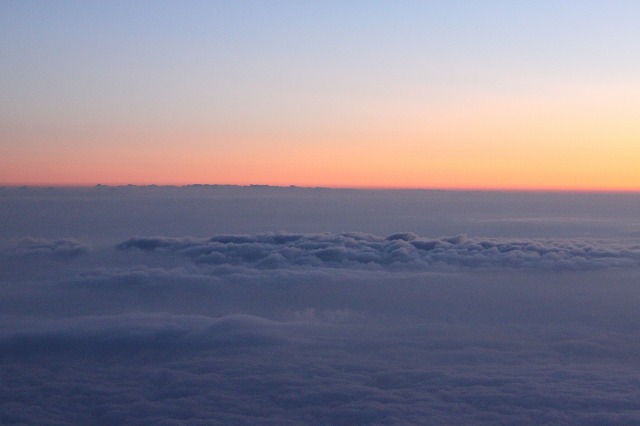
536 324
397 251
153 334
241 369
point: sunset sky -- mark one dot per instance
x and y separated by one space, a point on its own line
412 94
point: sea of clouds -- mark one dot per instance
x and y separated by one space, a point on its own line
232 305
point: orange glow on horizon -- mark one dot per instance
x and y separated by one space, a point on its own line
582 143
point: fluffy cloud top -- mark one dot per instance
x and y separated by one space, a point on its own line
397 251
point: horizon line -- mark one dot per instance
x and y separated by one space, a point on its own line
354 188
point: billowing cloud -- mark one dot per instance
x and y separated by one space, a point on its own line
397 251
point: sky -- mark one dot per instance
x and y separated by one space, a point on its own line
234 305
379 94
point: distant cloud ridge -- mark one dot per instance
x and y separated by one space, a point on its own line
397 251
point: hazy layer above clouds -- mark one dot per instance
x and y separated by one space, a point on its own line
224 305
113 214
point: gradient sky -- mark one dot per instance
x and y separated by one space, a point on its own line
445 94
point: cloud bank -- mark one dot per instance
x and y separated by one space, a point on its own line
397 251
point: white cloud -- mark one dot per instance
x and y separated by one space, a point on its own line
398 251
